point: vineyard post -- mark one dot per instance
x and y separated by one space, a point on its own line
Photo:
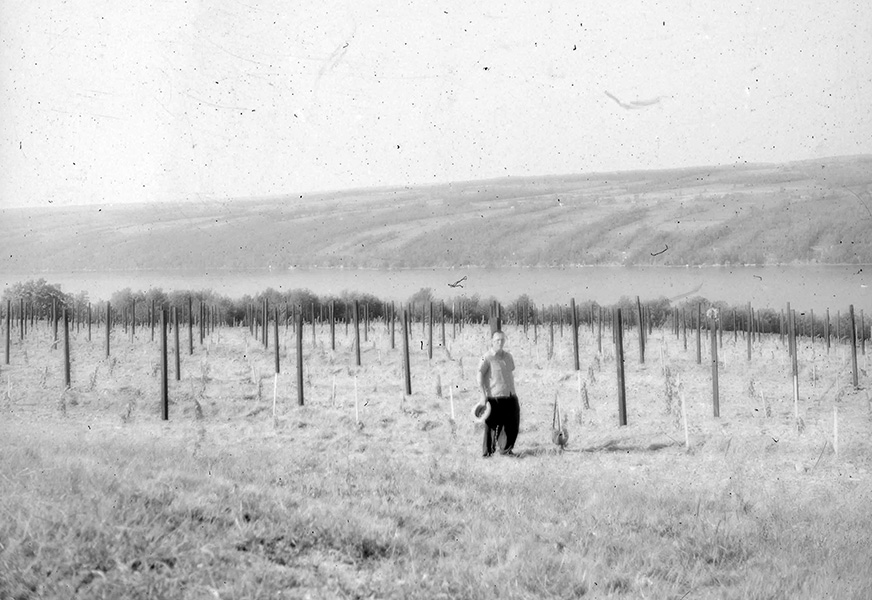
67 383
108 325
812 328
299 331
332 325
393 326
151 319
312 311
21 319
459 318
853 334
442 320
599 331
265 327
791 332
356 333
164 379
89 321
276 337
827 330
551 332
178 359
133 320
862 332
735 329
406 368
781 326
366 321
190 326
54 322
684 327
430 333
699 334
8 328
716 407
619 360
641 332
591 318
453 321
575 333
750 320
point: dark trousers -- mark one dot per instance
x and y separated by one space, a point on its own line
501 427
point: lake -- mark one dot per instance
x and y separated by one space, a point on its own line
805 287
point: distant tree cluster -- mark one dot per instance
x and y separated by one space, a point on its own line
39 296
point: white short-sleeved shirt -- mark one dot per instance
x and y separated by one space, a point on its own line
497 373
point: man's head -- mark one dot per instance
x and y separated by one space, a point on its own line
498 340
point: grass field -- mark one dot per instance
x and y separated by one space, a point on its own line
102 499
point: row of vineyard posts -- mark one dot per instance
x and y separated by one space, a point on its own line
753 325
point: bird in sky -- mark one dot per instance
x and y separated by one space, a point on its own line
635 104
458 283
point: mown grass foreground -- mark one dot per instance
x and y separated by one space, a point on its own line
101 499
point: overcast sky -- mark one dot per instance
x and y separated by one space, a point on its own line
139 101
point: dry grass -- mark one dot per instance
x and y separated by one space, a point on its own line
101 499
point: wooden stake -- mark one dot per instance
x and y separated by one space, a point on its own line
9 328
716 407
853 334
356 333
619 360
641 332
276 339
191 326
66 349
176 340
575 334
332 327
794 364
164 378
300 357
406 367
108 326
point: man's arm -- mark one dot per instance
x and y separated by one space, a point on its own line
483 383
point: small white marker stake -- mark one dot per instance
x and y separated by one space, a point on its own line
275 391
683 411
333 393
662 370
356 409
836 429
451 398
580 399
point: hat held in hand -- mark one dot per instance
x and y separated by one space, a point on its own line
480 412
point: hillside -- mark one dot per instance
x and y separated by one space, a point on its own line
801 212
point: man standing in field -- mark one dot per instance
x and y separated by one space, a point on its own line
497 383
